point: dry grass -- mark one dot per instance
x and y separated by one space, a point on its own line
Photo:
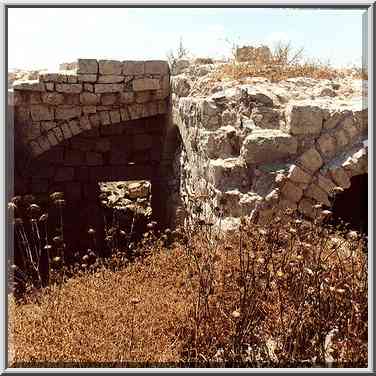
91 318
262 296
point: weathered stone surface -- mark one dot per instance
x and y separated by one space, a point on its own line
292 192
67 112
109 99
263 146
50 86
138 189
48 125
311 160
41 112
53 77
110 79
85 123
95 120
143 96
64 174
74 158
75 127
306 207
35 97
35 148
348 125
44 143
127 97
156 67
89 87
89 110
86 66
89 99
304 119
326 145
115 116
104 118
108 88
340 177
52 98
315 192
29 85
110 67
333 118
228 173
133 68
32 131
341 138
357 163
253 54
67 133
142 84
87 78
58 134
325 184
297 175
69 88
94 159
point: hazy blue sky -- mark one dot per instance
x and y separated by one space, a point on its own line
43 38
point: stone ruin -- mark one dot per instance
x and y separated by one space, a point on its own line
251 147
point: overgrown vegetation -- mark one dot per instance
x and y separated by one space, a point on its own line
288 293
284 62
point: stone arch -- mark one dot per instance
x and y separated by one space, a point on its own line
105 121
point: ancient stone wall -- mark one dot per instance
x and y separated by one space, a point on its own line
61 105
104 121
255 149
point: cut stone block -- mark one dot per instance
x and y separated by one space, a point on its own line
304 119
142 84
311 160
264 146
87 66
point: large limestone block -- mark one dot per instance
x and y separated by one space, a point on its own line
110 67
311 160
326 144
67 112
89 98
110 79
40 112
264 146
292 192
227 174
142 84
304 119
326 184
87 66
133 68
52 98
31 85
357 163
340 177
316 193
69 88
306 207
108 88
156 67
297 175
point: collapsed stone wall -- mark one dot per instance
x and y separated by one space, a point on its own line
259 147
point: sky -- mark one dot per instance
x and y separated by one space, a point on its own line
42 38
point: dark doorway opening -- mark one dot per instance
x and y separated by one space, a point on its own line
351 206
